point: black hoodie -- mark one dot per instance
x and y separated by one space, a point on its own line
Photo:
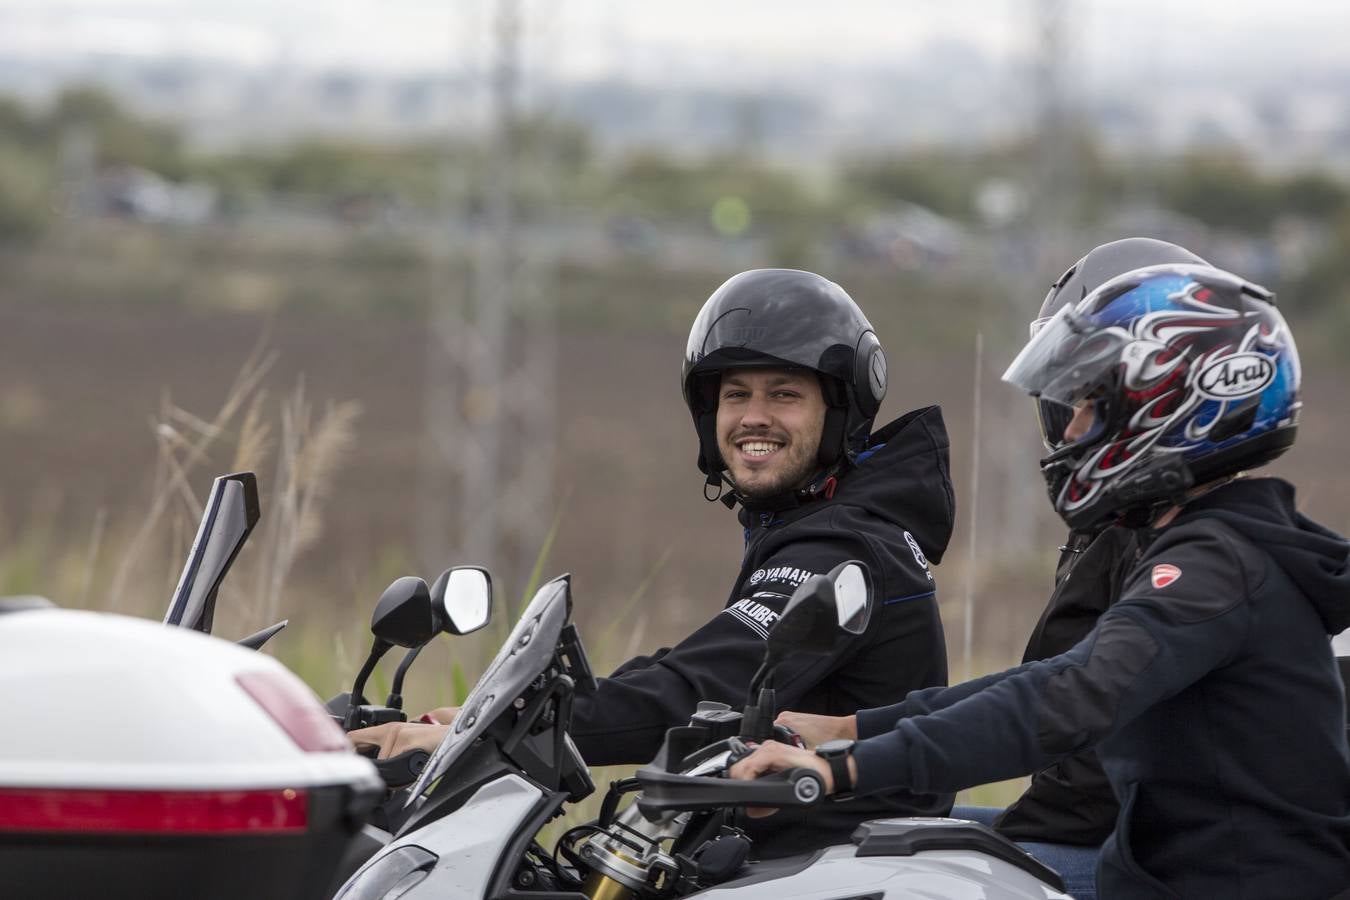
893 511
1211 694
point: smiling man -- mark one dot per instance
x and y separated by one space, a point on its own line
768 427
784 375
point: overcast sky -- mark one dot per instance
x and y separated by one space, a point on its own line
649 39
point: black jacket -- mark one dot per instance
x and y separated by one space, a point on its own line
893 511
1211 693
1071 801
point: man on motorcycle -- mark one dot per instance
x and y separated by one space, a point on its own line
783 376
1068 809
1208 688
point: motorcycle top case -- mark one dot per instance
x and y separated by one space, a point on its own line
152 762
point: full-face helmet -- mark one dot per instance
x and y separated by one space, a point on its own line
1100 265
785 318
1191 373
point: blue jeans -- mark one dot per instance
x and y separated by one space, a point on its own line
1076 865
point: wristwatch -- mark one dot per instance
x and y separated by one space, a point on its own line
837 753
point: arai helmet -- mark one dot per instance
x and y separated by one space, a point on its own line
1100 265
1191 372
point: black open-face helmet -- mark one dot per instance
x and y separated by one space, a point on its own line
784 318
1101 264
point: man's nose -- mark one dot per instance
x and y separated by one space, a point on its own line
1081 422
756 411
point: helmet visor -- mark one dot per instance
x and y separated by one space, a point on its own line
1067 359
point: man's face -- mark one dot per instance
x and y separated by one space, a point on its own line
1081 423
768 427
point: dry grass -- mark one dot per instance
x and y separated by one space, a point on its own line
145 548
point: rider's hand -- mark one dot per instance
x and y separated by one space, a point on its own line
394 738
772 756
442 714
816 730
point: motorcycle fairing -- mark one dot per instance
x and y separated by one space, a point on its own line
527 652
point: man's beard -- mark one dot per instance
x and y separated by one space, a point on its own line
795 471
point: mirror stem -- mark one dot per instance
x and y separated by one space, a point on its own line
757 720
395 700
377 650
761 679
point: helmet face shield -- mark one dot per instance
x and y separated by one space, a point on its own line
1052 418
1067 359
1054 421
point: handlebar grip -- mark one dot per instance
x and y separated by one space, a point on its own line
806 787
664 791
402 769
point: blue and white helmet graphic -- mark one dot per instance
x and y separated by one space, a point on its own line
1192 374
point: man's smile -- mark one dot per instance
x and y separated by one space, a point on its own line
758 448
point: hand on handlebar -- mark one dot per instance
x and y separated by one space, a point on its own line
816 730
395 738
773 756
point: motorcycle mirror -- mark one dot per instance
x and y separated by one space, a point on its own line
231 511
461 599
404 617
818 611
852 598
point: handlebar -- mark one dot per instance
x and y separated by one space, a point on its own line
671 792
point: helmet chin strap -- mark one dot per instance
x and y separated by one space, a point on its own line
717 480
821 485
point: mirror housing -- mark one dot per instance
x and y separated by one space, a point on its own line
852 596
232 509
825 606
461 599
404 617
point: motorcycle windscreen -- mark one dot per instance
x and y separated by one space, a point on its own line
526 655
231 512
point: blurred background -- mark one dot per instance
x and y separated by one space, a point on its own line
428 268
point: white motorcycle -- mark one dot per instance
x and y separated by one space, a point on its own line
506 767
154 762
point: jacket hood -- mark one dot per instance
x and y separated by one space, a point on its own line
1315 558
904 478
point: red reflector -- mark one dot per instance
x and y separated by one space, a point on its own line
295 708
177 812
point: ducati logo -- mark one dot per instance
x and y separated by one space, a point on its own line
1164 574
